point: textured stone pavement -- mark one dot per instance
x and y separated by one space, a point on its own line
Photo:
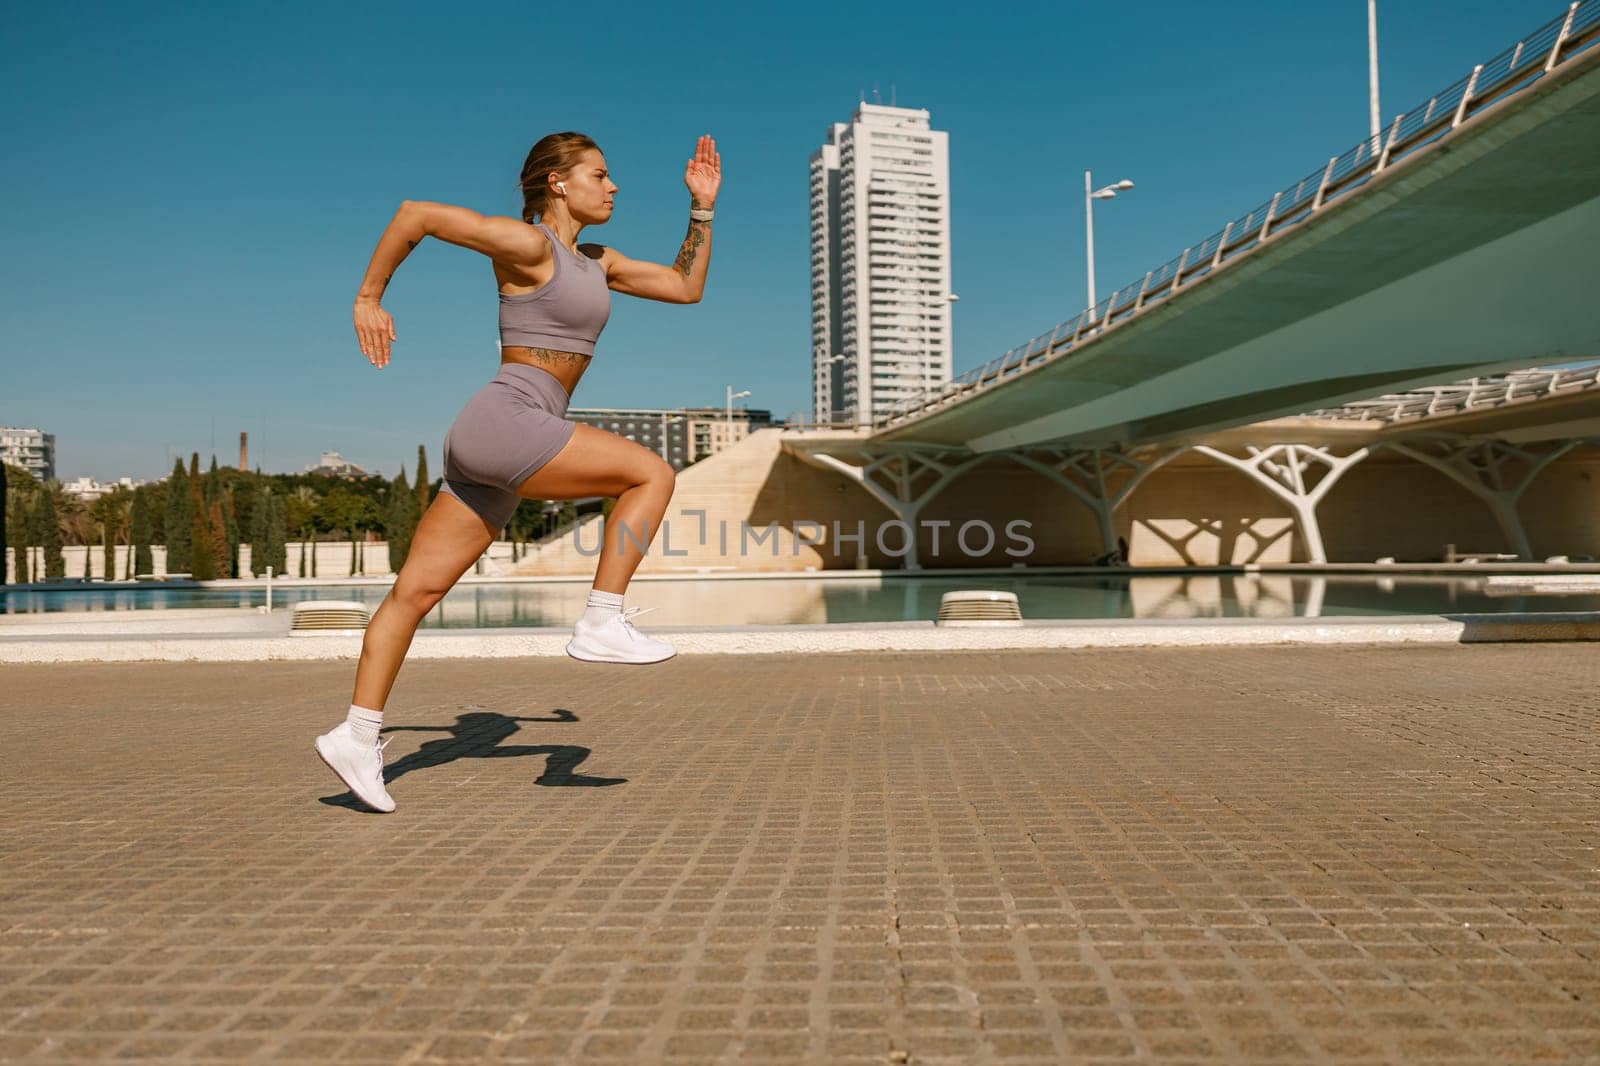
1272 854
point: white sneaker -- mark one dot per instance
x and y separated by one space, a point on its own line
616 641
359 766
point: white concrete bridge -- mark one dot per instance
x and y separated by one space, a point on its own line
1458 244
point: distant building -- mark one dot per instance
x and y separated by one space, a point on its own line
32 449
679 436
880 263
87 488
332 464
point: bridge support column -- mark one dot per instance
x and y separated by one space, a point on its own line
904 478
1490 470
1288 472
1088 476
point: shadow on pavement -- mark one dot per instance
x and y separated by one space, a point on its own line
477 735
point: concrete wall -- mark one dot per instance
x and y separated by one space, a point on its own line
1193 511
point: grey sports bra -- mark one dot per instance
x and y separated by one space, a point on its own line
566 313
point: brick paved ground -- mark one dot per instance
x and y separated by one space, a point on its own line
1332 854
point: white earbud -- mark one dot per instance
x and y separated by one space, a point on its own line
562 186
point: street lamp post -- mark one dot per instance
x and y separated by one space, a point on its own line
732 396
1089 197
824 370
927 379
1372 68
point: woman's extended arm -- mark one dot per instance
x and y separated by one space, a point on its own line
684 282
506 240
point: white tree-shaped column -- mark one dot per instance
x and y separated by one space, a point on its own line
904 478
1101 479
1495 471
1290 472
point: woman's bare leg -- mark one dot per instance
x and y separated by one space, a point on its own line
449 539
597 463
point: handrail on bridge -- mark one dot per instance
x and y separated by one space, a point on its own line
1508 73
1435 401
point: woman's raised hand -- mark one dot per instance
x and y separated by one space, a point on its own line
374 329
703 175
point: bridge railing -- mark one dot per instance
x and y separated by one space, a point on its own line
1475 393
1572 32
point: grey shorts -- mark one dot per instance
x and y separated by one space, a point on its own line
510 428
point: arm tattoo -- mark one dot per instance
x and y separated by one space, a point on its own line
698 232
411 246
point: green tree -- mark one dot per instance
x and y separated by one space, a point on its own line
124 516
525 522
217 535
423 495
4 515
108 553
230 532
202 556
176 530
107 514
20 491
302 516
47 528
277 536
116 512
260 516
351 513
22 550
400 521
139 535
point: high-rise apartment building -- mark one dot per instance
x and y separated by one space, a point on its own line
880 263
32 449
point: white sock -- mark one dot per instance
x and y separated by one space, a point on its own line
364 725
602 605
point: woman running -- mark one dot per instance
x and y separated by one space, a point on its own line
512 440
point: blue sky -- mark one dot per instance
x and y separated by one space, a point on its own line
194 192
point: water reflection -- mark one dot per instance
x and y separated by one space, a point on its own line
768 601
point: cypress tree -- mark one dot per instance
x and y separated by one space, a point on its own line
175 531
397 521
208 496
49 531
17 506
422 480
139 535
108 542
217 533
2 523
277 536
260 518
201 556
310 537
230 532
